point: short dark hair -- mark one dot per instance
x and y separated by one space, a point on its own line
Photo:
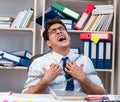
49 23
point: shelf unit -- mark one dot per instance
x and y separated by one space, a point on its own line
13 39
107 75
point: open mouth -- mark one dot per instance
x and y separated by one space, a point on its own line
61 38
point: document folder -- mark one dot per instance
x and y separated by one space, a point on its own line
23 53
17 59
50 13
68 23
86 47
93 54
100 55
108 55
84 18
66 11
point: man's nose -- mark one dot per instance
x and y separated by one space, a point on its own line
58 30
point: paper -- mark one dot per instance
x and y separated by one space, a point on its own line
95 38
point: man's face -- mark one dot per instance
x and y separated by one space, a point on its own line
58 37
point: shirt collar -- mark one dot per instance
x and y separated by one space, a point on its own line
58 57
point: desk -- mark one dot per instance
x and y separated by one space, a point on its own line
6 97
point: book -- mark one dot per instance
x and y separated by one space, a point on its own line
5 18
68 95
92 22
14 23
27 18
5 24
22 14
89 22
103 9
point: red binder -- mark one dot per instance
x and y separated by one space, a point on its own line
84 17
88 36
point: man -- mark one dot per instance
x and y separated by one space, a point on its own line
47 72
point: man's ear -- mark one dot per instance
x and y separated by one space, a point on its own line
48 43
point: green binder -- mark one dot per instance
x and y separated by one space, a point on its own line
66 11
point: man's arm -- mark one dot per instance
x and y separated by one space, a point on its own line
88 86
42 85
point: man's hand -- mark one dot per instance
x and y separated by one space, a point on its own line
75 71
51 73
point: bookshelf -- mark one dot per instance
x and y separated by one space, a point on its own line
15 39
107 75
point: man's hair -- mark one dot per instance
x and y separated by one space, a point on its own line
49 23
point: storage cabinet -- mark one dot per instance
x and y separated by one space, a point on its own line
107 75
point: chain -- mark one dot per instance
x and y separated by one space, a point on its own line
60 82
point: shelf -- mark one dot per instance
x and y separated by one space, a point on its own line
104 70
78 31
17 29
15 67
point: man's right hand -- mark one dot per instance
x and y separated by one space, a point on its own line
51 73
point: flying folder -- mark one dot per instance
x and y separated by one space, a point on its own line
84 18
89 35
16 59
50 13
66 11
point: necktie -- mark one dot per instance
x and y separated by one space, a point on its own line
70 84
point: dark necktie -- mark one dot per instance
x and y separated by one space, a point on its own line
70 84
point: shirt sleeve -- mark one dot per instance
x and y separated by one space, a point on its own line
89 70
35 73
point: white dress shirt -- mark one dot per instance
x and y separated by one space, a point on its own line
59 83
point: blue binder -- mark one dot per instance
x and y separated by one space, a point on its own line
86 45
23 53
69 23
100 55
16 59
108 55
93 53
50 13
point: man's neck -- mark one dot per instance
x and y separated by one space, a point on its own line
63 52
